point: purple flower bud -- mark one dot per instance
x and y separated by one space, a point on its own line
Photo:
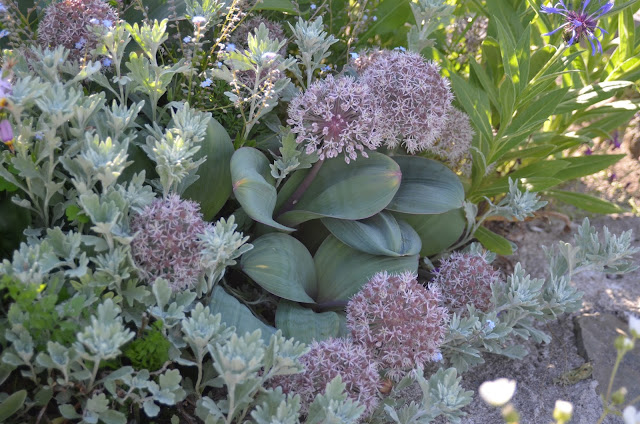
6 132
588 152
612 177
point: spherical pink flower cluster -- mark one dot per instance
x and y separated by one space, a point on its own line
399 321
454 143
68 23
166 243
414 98
240 35
325 361
466 279
336 115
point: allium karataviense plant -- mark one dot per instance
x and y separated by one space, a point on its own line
336 115
579 23
70 23
454 143
167 244
466 279
399 321
415 100
328 359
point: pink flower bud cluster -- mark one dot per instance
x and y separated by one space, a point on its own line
166 243
399 321
325 361
414 98
336 115
69 23
466 279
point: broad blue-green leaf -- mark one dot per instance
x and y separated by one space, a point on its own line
347 191
586 202
437 232
342 271
494 242
12 404
305 325
381 234
428 187
213 187
281 265
253 185
238 315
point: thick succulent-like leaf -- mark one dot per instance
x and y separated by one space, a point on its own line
238 315
428 187
381 234
342 270
281 265
12 404
213 187
304 325
347 191
437 232
253 185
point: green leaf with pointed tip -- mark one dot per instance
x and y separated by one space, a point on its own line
213 188
381 234
342 270
12 404
428 187
494 242
253 185
356 190
284 6
304 325
237 315
579 99
437 232
281 265
586 202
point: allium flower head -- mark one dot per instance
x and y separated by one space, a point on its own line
336 115
414 98
454 143
399 321
68 23
240 35
324 362
579 23
167 242
466 279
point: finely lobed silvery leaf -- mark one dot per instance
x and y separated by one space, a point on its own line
106 334
516 204
203 328
273 407
334 406
239 360
31 263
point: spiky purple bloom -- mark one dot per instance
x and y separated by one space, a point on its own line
240 35
67 22
466 279
579 23
166 243
414 98
454 143
324 362
336 115
399 321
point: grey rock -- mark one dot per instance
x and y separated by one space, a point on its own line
595 340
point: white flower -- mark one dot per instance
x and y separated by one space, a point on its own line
198 20
634 326
497 392
563 411
631 415
354 55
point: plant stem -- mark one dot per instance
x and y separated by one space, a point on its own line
302 188
613 375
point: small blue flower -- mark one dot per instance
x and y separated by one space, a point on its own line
579 23
94 21
437 357
198 20
400 49
106 62
107 23
313 6
4 33
219 64
187 39
39 136
230 47
375 18
3 8
326 68
80 43
354 55
490 325
206 83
